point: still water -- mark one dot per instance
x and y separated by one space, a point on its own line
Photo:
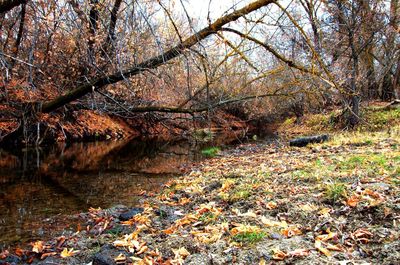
40 187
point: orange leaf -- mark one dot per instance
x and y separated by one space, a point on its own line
45 255
291 231
353 201
271 205
19 252
279 254
170 230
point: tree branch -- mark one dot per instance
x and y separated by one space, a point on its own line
155 61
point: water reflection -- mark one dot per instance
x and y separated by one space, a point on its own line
37 185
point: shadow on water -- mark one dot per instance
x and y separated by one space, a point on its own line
39 187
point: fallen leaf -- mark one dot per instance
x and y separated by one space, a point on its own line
244 229
362 235
181 253
353 201
68 252
299 252
318 246
121 258
37 247
308 207
271 205
334 247
291 231
271 223
19 252
45 255
325 212
326 237
279 254
142 250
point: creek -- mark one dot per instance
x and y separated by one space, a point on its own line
41 188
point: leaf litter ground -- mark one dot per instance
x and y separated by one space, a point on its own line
330 203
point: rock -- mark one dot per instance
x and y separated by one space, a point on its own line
379 186
130 213
198 259
275 236
102 259
10 260
170 243
167 213
250 256
221 259
106 255
116 210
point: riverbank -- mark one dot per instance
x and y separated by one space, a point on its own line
259 203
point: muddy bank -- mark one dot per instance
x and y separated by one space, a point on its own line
89 125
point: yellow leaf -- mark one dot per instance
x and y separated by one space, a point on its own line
334 247
271 223
318 245
326 237
244 229
121 258
325 212
262 262
142 250
181 253
308 207
68 252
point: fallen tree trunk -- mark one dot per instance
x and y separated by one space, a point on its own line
304 141
152 62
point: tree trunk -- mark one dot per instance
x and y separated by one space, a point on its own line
388 92
109 42
396 81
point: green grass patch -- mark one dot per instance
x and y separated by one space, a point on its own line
207 217
240 195
352 162
378 118
210 151
335 191
249 237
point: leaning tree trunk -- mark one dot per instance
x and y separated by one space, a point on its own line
155 61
